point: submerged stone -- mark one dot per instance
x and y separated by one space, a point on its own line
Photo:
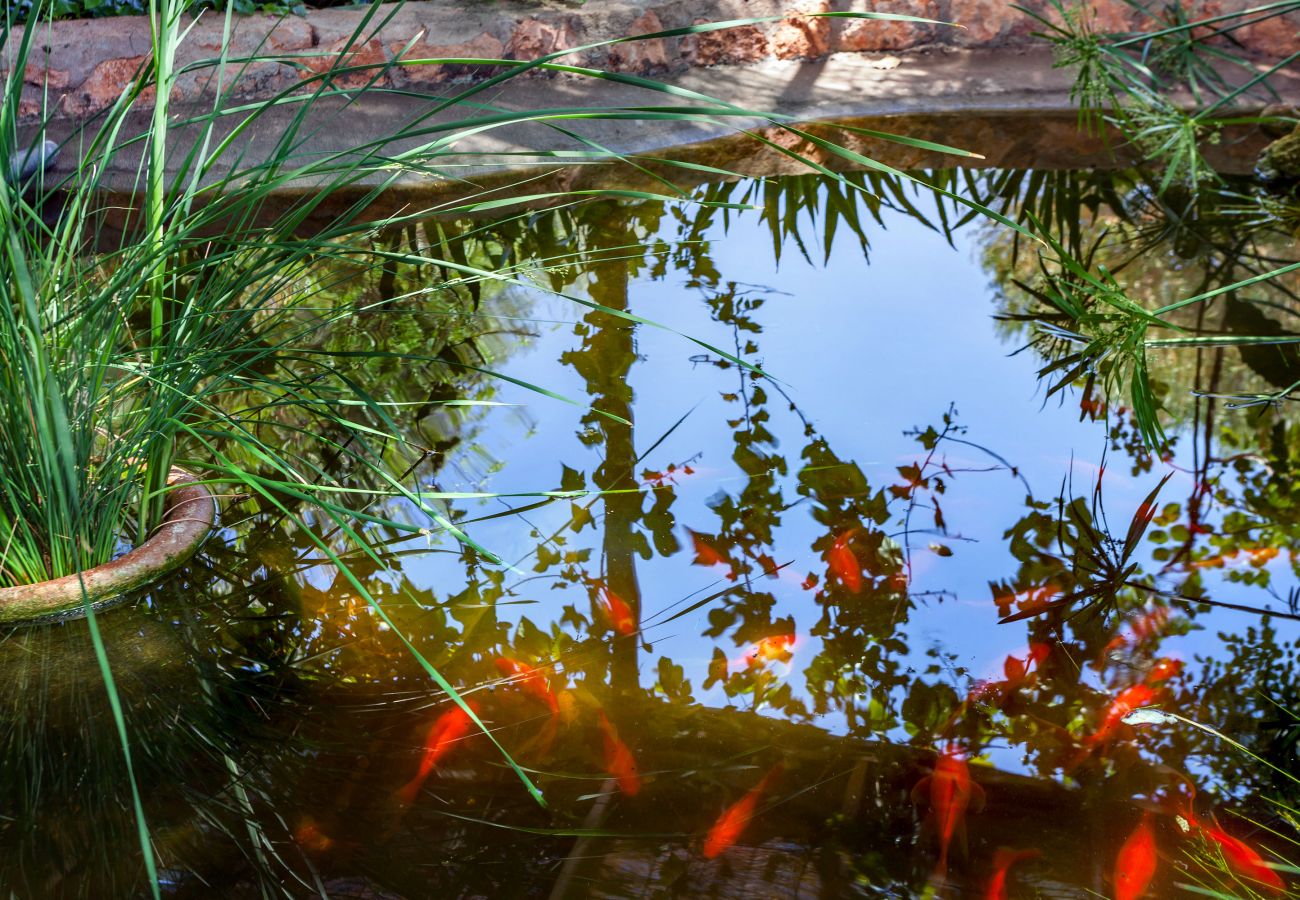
25 163
1280 160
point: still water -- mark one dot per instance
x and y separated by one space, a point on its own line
752 648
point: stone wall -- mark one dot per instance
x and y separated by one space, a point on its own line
81 67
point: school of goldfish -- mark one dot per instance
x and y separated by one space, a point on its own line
948 794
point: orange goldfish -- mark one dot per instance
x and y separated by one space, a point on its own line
1164 669
1003 859
530 679
774 647
843 563
735 817
1124 703
446 730
619 613
619 760
309 836
1016 671
1244 859
950 792
706 554
1136 864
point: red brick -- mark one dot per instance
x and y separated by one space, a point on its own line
641 57
800 37
484 46
876 34
104 85
533 38
371 54
728 47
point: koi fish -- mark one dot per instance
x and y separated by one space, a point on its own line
776 646
736 817
308 836
619 760
1259 557
1164 669
619 613
1003 859
843 563
1016 671
530 679
706 554
1244 859
1124 703
445 732
1136 863
1030 599
950 792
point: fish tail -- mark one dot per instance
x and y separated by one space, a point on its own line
940 873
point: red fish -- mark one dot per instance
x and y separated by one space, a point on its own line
1124 703
1151 624
1003 859
1136 864
619 760
619 613
950 792
1244 859
1163 670
706 554
530 679
736 817
843 563
776 646
309 836
445 732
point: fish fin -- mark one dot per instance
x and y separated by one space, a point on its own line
977 798
919 791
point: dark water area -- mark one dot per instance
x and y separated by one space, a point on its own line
746 637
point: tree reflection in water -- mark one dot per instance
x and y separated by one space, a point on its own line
290 744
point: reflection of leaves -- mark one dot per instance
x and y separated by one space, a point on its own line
672 682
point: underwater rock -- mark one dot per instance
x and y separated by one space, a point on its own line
23 164
1280 160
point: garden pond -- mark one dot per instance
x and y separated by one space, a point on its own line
853 617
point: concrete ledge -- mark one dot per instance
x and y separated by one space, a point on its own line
81 67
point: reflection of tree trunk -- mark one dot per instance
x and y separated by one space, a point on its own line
610 350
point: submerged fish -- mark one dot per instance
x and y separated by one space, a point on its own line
530 679
1244 859
619 612
309 836
1163 670
706 554
843 563
446 731
1136 864
1003 859
777 647
1124 703
950 792
736 817
619 760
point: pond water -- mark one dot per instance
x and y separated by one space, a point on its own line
753 648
